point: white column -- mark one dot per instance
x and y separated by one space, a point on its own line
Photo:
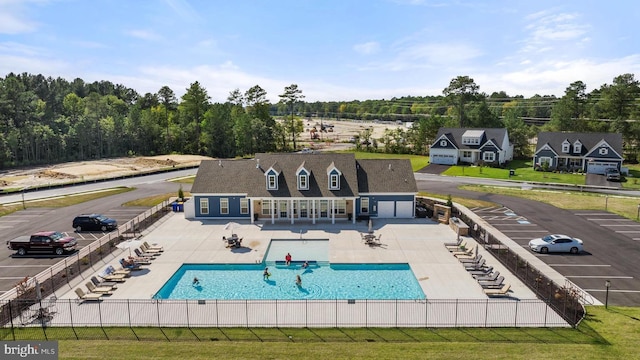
273 211
333 211
313 211
291 210
353 217
251 209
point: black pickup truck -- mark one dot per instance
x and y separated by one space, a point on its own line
43 241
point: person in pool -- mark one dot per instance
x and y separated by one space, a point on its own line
298 280
196 281
266 273
287 259
305 265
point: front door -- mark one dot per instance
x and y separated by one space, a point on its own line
304 209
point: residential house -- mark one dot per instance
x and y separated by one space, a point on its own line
588 152
472 146
303 187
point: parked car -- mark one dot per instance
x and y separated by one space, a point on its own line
94 222
612 174
556 243
43 241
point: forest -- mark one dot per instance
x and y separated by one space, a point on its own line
49 120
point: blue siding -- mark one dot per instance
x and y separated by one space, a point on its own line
214 207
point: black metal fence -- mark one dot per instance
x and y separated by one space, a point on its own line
63 272
111 313
566 300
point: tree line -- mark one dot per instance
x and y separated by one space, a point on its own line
47 120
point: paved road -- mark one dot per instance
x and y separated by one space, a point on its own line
612 243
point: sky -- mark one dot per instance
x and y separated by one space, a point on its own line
334 50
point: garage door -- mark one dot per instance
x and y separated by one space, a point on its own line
385 209
404 209
599 167
443 159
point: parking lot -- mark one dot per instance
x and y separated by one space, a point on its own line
14 268
610 243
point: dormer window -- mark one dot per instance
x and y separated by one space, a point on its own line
272 182
565 147
334 182
303 182
577 147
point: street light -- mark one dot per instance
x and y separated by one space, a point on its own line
607 284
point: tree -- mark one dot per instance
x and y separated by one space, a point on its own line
195 102
168 99
566 114
460 91
291 96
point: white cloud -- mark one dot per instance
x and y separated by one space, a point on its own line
548 30
144 35
367 48
13 19
428 55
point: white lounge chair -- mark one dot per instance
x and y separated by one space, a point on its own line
82 296
503 291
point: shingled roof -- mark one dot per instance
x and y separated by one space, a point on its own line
588 140
246 176
455 136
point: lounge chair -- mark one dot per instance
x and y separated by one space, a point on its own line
454 243
492 284
457 247
150 256
483 271
112 284
503 291
88 297
470 260
98 290
476 266
153 247
120 272
488 277
132 267
150 251
139 260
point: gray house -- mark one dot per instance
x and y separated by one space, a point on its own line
472 146
303 187
588 152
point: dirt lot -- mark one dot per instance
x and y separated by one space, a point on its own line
89 170
99 169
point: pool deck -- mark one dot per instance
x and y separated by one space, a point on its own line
418 242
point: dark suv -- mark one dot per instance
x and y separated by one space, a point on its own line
94 222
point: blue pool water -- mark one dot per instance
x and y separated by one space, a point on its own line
320 281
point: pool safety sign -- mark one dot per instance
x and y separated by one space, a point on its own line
32 350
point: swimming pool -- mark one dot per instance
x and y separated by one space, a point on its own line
320 280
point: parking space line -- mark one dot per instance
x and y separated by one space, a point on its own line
598 277
612 225
516 223
591 214
578 265
544 231
609 219
628 231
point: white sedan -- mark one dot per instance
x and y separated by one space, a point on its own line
556 243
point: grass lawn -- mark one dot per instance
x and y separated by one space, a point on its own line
523 172
604 334
571 200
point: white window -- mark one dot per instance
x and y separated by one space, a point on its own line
303 183
565 147
364 205
603 151
224 206
266 207
577 147
334 182
545 160
324 206
271 182
283 208
204 206
341 207
244 206
489 156
443 143
466 154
